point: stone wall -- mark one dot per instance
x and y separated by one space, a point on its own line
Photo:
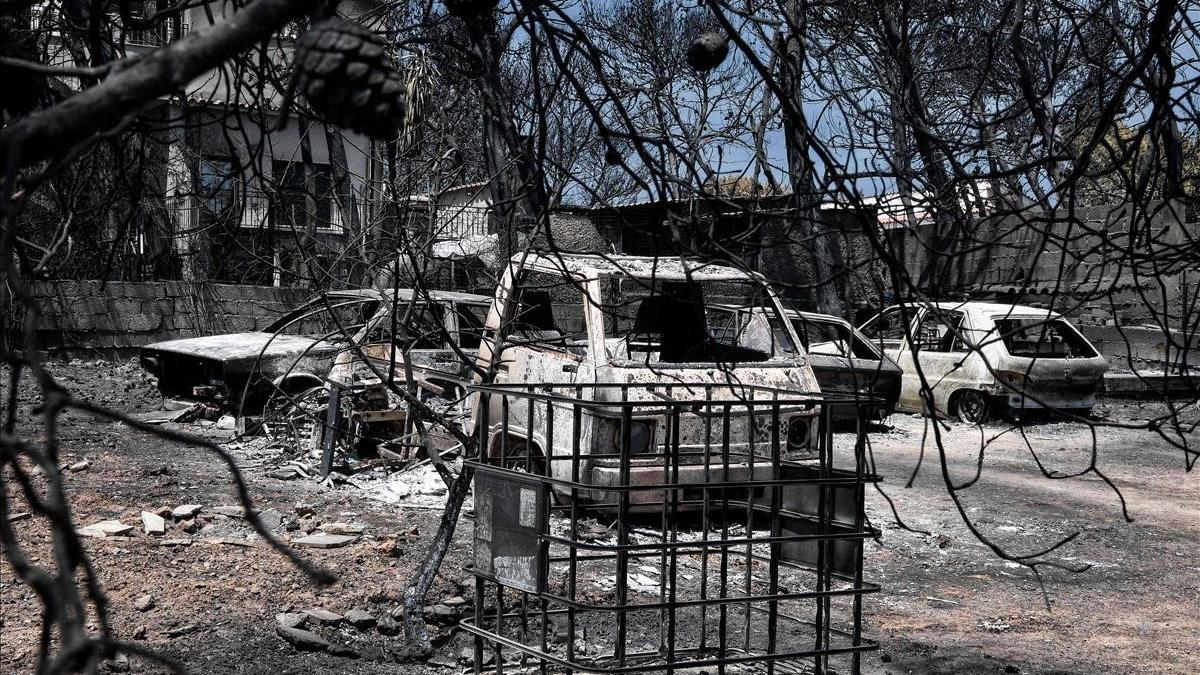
115 318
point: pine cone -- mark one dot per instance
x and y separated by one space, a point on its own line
347 78
707 51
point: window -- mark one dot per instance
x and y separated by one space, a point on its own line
940 331
217 182
688 322
549 312
888 328
333 321
304 197
832 338
471 322
1035 337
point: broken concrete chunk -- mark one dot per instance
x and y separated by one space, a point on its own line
343 528
227 511
139 633
439 613
271 519
324 616
185 511
190 525
144 603
227 422
283 474
23 515
291 619
106 528
303 640
456 601
360 618
325 540
81 465
152 523
343 651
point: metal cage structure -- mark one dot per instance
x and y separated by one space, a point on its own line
662 527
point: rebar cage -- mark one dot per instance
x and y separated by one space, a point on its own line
656 527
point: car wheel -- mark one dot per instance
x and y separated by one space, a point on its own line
970 406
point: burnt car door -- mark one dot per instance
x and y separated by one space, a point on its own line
944 357
845 364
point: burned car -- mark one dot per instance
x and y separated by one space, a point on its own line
622 327
844 361
244 372
847 363
983 358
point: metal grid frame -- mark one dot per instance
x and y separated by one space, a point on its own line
763 520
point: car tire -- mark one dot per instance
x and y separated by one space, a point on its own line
970 406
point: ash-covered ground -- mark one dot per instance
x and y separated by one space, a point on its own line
210 594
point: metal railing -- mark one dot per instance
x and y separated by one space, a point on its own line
718 527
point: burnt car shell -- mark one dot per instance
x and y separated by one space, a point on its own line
219 367
849 365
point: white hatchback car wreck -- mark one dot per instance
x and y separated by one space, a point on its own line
982 358
625 320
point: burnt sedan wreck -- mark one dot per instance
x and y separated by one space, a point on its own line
242 372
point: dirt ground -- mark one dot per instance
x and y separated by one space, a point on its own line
948 604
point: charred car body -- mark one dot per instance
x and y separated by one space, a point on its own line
244 371
843 360
982 358
614 325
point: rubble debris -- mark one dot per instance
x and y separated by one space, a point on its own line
175 542
139 633
106 528
440 613
181 630
360 618
227 511
226 422
16 517
153 524
81 465
325 540
387 626
270 519
185 511
291 619
324 616
144 603
190 525
303 640
343 528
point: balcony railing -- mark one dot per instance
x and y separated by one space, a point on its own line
253 209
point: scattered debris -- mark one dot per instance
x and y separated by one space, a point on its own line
324 616
325 540
139 633
387 626
81 465
303 640
227 422
343 528
185 511
360 618
291 619
227 511
270 519
181 630
144 603
16 517
153 524
106 528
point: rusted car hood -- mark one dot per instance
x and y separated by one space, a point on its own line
235 346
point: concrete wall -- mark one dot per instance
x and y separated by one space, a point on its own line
115 318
